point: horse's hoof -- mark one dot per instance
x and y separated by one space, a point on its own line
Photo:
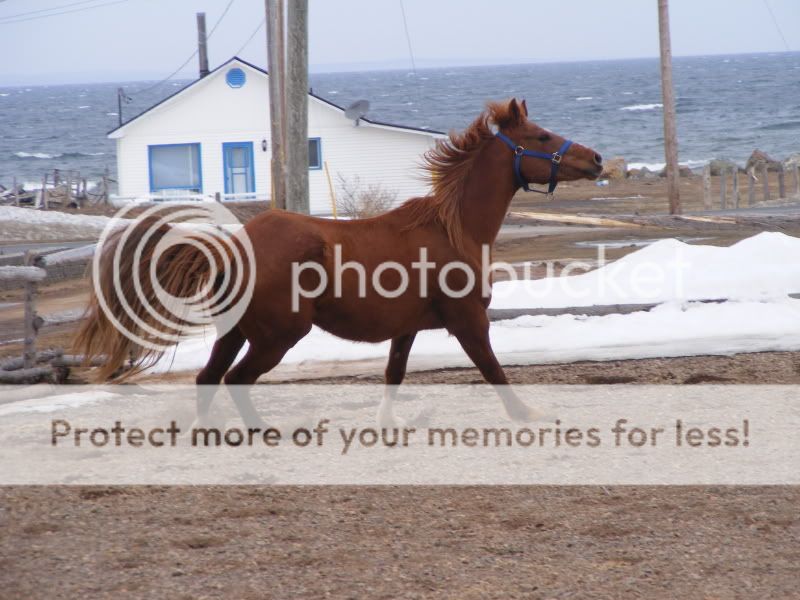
423 419
526 414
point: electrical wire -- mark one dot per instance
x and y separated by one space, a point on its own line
252 35
41 10
411 55
11 18
191 57
777 25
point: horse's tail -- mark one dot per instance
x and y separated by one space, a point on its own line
128 317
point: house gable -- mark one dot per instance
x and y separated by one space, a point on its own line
197 106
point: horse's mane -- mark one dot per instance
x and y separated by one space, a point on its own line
449 163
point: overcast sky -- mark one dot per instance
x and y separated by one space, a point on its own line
123 40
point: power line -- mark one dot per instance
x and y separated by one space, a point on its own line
10 20
408 39
191 57
411 55
35 12
777 25
252 35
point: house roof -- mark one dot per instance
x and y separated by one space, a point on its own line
372 122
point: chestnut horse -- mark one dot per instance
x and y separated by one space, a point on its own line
474 176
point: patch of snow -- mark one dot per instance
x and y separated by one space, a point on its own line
765 266
50 217
672 329
756 274
56 402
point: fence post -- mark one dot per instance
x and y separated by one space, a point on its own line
43 197
765 182
332 190
797 179
105 186
16 191
736 195
751 186
707 187
781 183
29 343
723 185
217 196
68 196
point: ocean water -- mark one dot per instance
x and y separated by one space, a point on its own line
727 106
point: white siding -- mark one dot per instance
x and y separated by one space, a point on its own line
211 113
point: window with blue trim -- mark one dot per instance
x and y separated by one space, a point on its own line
175 167
314 153
235 77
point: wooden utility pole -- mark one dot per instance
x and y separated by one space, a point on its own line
277 102
668 95
202 44
297 107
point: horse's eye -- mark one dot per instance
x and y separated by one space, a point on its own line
545 137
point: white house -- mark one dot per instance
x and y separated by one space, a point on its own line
213 137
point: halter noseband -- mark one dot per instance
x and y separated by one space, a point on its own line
554 158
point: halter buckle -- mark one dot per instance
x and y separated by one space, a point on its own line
519 150
557 158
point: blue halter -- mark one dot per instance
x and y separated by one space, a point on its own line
554 158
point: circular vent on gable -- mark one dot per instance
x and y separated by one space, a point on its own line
235 77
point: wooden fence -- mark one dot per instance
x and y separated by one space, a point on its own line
756 177
64 188
33 366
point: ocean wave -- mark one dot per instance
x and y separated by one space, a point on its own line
780 126
35 155
584 98
4 95
641 107
692 164
44 155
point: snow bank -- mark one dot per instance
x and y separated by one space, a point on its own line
762 267
51 217
673 329
756 274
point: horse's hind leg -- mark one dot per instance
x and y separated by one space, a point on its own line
222 356
263 355
394 375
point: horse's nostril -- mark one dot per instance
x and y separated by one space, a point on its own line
598 160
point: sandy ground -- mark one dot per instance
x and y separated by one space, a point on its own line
423 542
460 543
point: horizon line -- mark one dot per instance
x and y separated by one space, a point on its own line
384 66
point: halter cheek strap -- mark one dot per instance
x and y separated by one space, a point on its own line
554 158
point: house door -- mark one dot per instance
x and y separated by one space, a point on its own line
238 164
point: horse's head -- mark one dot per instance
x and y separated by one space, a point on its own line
538 155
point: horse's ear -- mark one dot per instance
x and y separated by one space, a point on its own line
513 110
524 106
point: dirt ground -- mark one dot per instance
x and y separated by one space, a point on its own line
460 543
428 542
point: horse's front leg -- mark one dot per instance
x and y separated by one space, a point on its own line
470 326
394 375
